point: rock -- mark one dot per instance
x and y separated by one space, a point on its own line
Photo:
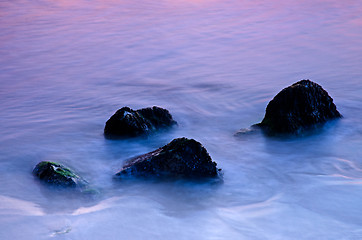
185 158
247 131
129 123
299 107
59 175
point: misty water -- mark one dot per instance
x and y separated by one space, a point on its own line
67 66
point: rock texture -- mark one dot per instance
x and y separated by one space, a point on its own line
57 174
298 107
130 123
182 157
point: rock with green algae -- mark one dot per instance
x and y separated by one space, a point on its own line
58 175
299 107
127 122
181 158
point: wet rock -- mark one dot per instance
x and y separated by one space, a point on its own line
58 175
185 158
247 131
301 106
130 123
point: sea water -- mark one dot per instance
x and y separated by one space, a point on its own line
67 66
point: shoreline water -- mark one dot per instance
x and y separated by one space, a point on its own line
67 66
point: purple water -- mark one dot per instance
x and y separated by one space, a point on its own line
67 66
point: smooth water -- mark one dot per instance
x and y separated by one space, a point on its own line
67 66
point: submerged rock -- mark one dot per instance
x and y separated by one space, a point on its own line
180 158
129 123
247 131
298 107
58 175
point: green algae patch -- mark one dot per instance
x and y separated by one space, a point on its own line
65 172
57 174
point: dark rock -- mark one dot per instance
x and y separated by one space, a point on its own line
299 107
129 123
182 157
59 175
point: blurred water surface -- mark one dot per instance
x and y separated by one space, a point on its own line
67 66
